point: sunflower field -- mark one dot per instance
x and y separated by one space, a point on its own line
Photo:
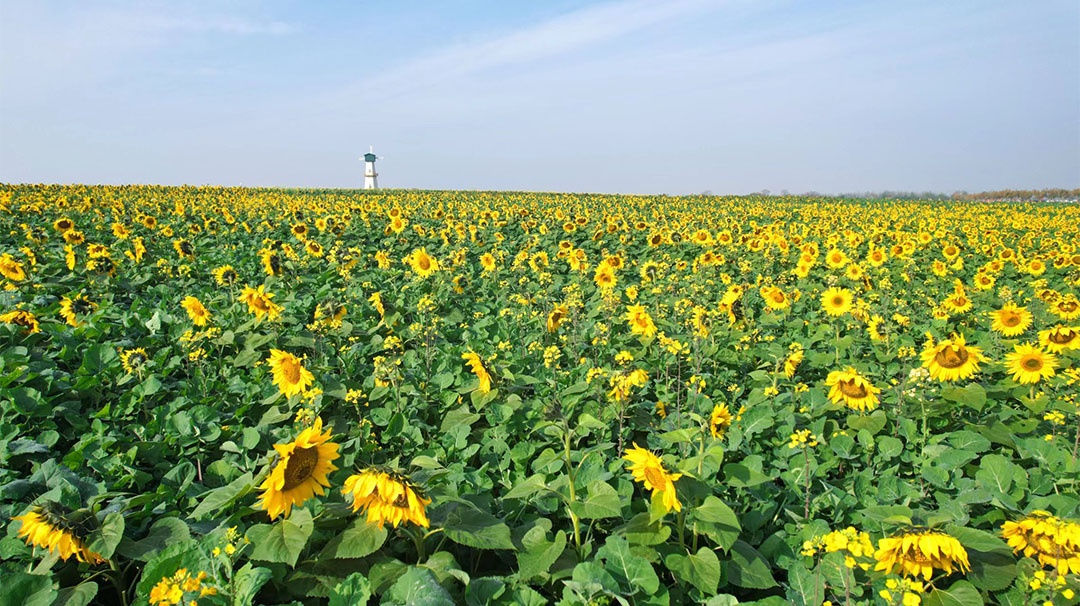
243 396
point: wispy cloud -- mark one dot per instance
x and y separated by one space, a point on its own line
562 35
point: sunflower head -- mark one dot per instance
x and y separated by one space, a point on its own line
387 497
60 530
952 359
920 552
300 472
1029 364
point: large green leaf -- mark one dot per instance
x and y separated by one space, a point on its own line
247 582
538 553
216 501
475 528
163 532
960 593
417 587
283 541
716 520
630 570
701 569
21 589
359 539
601 501
748 568
105 539
355 590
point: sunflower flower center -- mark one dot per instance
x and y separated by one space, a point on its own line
951 357
1032 364
301 463
655 476
291 370
852 389
1009 318
1061 337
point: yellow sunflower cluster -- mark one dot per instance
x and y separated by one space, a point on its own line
1054 542
181 587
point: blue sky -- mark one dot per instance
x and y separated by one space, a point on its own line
672 96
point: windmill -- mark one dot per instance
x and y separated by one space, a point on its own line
371 180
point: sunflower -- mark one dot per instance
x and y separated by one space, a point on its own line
852 389
313 248
387 497
376 301
422 263
836 259
1011 320
63 224
952 359
271 262
72 309
836 301
775 298
133 359
984 281
289 373
300 472
1029 364
604 276
487 262
22 318
198 313
641 323
11 269
1060 338
720 420
476 364
1050 540
62 532
184 248
329 314
225 275
556 317
382 259
648 470
260 302
791 363
300 231
1067 308
920 552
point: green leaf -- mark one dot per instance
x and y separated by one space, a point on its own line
717 521
969 440
247 582
21 589
538 553
602 501
417 587
527 487
748 568
215 501
105 539
971 395
741 476
809 585
873 422
640 530
163 533
631 570
355 590
281 542
701 569
996 473
79 595
358 540
475 528
484 590
961 593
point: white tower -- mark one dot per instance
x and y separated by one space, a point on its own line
371 180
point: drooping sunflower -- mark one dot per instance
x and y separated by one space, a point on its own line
1030 364
62 532
641 323
648 470
476 365
952 359
422 263
200 316
300 472
852 389
184 248
720 420
289 373
11 269
260 303
1011 320
73 309
387 497
791 363
271 262
919 552
556 317
19 317
836 301
1060 338
329 314
1052 541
